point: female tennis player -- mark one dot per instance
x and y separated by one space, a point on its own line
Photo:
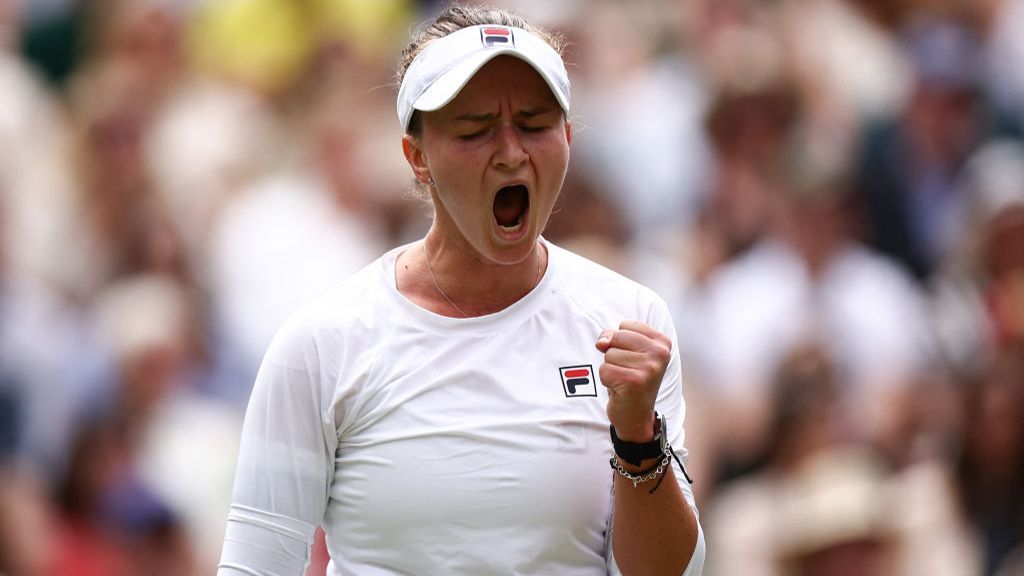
480 401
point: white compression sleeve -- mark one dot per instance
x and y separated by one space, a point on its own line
261 544
285 464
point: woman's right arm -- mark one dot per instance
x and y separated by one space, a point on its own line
285 463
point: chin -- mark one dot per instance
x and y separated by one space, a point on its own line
510 253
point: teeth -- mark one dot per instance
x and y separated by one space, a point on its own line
511 228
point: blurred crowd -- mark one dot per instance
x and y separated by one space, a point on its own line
828 193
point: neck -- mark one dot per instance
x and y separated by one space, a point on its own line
452 281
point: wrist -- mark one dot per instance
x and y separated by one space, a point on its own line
645 465
637 453
642 432
640 462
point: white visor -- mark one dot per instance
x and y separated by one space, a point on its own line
440 71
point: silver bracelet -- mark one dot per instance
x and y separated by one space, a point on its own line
644 475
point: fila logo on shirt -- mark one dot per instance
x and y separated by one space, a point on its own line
578 381
497 36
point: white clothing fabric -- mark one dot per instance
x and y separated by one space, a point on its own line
852 58
433 445
38 190
280 244
936 539
205 142
192 433
832 497
865 309
644 140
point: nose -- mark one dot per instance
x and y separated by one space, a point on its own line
510 153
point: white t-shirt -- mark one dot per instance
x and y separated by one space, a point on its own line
433 445
865 309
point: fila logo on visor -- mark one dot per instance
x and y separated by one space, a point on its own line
578 381
496 36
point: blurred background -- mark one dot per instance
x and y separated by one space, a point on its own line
829 194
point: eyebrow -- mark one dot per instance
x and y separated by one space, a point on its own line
524 114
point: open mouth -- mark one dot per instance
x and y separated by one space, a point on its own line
510 206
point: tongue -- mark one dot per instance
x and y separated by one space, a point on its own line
509 205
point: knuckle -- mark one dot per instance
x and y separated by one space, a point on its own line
663 353
665 341
655 369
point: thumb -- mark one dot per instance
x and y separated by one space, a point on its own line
604 341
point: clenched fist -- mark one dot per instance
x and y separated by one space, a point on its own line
635 359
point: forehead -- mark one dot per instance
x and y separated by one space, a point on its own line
505 78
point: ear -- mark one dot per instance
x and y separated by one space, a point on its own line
416 158
568 131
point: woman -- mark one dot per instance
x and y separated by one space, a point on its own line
440 412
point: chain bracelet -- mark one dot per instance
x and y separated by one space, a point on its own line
638 479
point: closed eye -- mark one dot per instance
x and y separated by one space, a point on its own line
472 135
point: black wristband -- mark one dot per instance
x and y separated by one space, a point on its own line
636 452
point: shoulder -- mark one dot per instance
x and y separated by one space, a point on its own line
343 313
596 287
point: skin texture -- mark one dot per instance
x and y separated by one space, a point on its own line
505 128
635 357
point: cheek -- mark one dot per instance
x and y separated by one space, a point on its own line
457 162
552 158
458 176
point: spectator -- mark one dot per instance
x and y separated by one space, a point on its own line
160 155
819 506
964 516
295 233
642 111
978 295
809 280
167 424
908 163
